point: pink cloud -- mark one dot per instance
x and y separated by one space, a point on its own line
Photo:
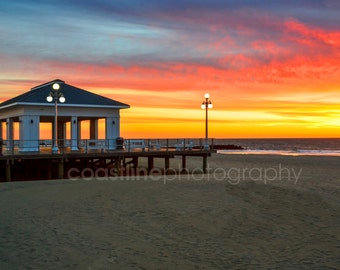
313 37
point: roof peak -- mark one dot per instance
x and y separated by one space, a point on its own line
47 83
74 96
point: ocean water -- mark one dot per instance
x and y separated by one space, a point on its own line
295 147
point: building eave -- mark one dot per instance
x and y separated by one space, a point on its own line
65 105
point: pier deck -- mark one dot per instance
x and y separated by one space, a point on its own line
87 163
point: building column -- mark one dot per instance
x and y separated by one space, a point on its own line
78 123
112 131
74 133
1 129
53 132
61 133
9 134
94 129
29 133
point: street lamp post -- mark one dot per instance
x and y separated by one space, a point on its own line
55 95
206 104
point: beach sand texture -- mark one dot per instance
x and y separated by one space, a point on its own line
181 222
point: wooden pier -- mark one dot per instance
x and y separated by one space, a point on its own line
43 165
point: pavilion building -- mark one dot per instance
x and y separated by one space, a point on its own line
31 108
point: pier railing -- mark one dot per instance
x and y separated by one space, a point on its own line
12 147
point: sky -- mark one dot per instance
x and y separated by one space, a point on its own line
272 68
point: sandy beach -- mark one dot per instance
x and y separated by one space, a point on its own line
249 212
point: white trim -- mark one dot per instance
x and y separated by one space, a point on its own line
64 105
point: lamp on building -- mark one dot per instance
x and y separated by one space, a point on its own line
55 95
206 104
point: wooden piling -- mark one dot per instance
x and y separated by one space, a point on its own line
166 163
150 163
184 163
61 168
8 172
205 163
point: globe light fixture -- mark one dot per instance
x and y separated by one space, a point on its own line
56 86
62 99
49 98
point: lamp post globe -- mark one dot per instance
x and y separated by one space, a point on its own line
56 86
62 99
49 98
